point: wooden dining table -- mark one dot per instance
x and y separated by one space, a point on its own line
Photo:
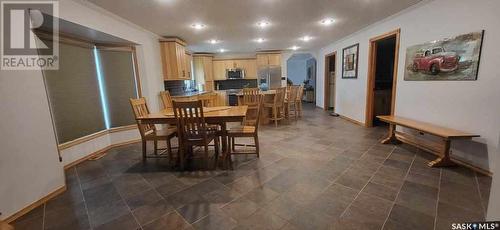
219 115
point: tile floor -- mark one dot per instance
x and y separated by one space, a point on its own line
321 172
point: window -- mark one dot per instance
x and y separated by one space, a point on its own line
90 92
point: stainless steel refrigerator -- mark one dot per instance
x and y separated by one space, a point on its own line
271 75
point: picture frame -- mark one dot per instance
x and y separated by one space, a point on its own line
350 57
454 58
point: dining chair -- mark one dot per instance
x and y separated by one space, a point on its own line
277 105
249 128
194 131
250 96
208 99
149 132
291 101
166 99
298 100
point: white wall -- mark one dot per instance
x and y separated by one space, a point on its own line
29 165
465 105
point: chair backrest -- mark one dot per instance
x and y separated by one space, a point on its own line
140 108
252 117
166 99
190 120
250 96
293 90
208 100
300 93
279 97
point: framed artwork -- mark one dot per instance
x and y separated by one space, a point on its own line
350 61
450 59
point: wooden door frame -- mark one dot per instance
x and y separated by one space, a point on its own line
326 95
372 60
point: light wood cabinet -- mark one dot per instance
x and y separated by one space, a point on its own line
266 59
250 67
176 64
189 65
219 70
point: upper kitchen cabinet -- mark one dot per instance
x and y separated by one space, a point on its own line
266 59
219 70
176 64
250 67
189 64
203 70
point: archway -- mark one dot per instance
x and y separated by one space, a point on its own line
301 69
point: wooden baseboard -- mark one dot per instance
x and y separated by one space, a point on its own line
352 120
35 204
100 151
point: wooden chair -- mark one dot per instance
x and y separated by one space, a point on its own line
166 99
250 96
277 105
5 226
193 131
208 99
291 101
249 128
149 132
298 101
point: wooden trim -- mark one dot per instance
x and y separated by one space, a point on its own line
351 120
231 59
203 55
269 52
35 204
93 136
136 69
173 39
100 151
326 101
372 58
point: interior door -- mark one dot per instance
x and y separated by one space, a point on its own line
332 90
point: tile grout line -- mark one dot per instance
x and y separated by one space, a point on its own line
371 177
399 190
83 197
437 201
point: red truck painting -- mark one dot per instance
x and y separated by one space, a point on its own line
435 60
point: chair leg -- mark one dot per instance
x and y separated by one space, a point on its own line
233 146
217 151
156 147
275 116
256 140
169 151
144 150
207 163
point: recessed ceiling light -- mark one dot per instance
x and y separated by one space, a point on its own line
222 50
198 26
213 41
306 38
260 40
294 47
263 24
327 21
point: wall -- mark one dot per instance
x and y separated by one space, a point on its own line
463 105
29 166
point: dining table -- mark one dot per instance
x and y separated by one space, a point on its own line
219 115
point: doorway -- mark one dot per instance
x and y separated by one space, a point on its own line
382 77
330 73
301 69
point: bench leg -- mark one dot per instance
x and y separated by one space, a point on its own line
391 137
444 160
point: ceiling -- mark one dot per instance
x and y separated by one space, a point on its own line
233 22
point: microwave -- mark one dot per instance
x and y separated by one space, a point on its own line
235 73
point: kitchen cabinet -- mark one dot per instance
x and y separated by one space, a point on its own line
176 64
219 70
250 67
189 65
267 59
203 70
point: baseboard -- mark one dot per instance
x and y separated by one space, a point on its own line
352 120
76 162
35 204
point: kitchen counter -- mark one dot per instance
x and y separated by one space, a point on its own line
190 94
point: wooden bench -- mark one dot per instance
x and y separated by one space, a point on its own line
442 149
